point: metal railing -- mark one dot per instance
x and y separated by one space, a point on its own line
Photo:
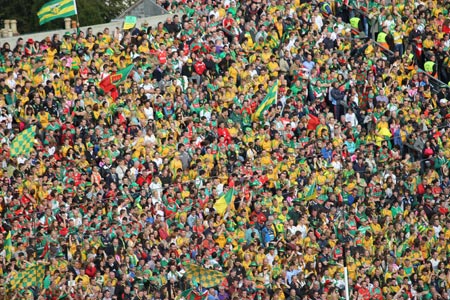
385 50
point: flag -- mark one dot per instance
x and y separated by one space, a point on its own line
23 142
109 52
56 9
205 277
31 276
344 198
8 247
110 82
192 294
421 228
313 122
45 251
340 198
224 201
311 193
268 101
186 293
130 22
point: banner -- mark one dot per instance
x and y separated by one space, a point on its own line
130 22
23 142
56 9
207 278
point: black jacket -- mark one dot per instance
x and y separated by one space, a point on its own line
337 95
187 70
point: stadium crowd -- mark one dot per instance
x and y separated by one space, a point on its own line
349 166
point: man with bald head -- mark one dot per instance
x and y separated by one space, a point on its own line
170 26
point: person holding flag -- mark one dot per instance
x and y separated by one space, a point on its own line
113 80
269 100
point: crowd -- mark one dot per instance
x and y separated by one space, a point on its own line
350 165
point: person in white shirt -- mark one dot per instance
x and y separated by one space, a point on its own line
173 274
105 73
336 163
149 138
302 227
148 111
157 159
214 15
299 228
155 197
134 170
251 153
206 112
5 116
156 188
339 24
77 220
435 260
389 173
318 20
219 186
446 41
271 255
437 228
121 169
351 118
148 87
335 34
10 80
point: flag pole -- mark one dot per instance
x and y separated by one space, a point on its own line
76 14
344 250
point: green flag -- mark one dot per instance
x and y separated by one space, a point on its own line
109 52
8 247
130 22
23 142
185 294
207 278
224 201
56 9
113 80
192 294
269 100
311 193
31 276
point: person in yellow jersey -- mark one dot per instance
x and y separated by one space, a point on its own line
66 45
398 36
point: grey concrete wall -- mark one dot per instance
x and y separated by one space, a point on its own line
152 21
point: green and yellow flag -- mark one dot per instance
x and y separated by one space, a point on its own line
8 247
56 9
130 22
23 142
224 201
206 277
268 101
31 276
311 193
